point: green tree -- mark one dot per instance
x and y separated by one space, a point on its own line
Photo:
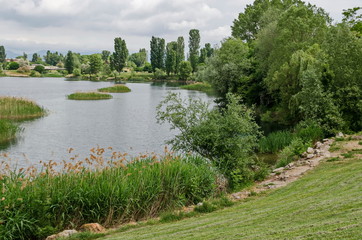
185 70
194 47
105 55
36 58
354 20
120 54
157 53
69 62
2 54
206 52
53 58
25 56
180 53
171 57
139 58
95 64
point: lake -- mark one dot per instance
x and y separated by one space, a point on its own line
126 123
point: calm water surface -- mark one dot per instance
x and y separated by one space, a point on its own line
127 122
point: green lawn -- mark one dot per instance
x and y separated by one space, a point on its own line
324 204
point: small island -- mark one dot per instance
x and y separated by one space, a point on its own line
118 88
89 96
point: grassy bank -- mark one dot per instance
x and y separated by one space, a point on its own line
36 204
324 204
118 88
203 87
89 96
8 130
19 109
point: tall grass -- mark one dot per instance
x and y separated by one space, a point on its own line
89 96
118 88
203 87
19 109
8 130
275 141
35 204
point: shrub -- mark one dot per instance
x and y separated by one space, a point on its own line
226 136
39 68
77 72
8 130
13 66
34 74
309 131
292 152
24 69
185 70
275 141
159 74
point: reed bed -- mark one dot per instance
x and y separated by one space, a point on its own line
19 109
89 96
8 130
36 203
118 88
203 87
275 141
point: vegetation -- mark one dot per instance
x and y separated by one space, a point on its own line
325 204
19 109
157 53
194 48
8 130
120 55
89 96
275 141
118 88
203 87
36 204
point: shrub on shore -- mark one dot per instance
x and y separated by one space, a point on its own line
118 88
89 96
35 205
19 109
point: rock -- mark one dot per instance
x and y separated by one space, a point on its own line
289 166
200 204
65 233
304 154
325 140
92 227
317 152
310 150
309 156
357 137
339 135
278 170
235 196
318 145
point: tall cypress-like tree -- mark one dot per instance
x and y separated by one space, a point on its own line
171 56
69 62
120 54
157 53
2 54
194 46
180 53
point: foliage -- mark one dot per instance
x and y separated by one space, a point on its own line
95 64
89 96
205 53
24 69
157 53
292 152
53 58
180 52
226 136
2 54
19 108
120 55
105 55
171 58
353 20
13 66
8 130
159 74
185 70
275 141
139 58
118 88
39 68
203 87
69 62
194 47
117 191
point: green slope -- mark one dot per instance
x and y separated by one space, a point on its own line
325 204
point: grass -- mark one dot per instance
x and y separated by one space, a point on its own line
89 96
19 109
35 204
118 88
275 141
324 204
8 130
203 87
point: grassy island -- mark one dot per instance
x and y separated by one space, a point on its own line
118 88
203 87
89 96
19 109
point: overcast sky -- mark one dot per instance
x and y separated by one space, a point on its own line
91 25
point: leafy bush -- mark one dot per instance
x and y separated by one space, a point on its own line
275 141
185 70
226 136
13 66
39 68
309 131
34 74
159 74
23 69
292 152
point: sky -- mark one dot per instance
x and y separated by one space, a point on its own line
90 26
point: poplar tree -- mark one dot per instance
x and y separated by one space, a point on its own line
69 62
171 57
194 46
180 53
157 53
120 55
2 54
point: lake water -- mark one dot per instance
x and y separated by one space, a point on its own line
126 123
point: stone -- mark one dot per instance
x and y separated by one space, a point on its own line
289 166
65 233
357 137
310 150
92 227
309 156
200 204
278 170
318 145
304 154
339 135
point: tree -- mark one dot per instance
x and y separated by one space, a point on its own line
95 63
53 58
206 52
171 57
36 58
185 70
157 53
353 20
194 46
25 56
180 53
226 136
2 54
39 68
120 54
69 62
105 55
139 58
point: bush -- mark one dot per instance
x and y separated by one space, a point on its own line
77 72
39 68
292 152
13 66
275 141
23 69
309 131
159 74
185 70
226 136
34 74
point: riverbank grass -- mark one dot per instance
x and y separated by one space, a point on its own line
203 87
118 88
89 96
19 109
8 130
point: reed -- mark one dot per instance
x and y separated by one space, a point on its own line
275 141
203 87
19 109
36 203
8 130
118 88
89 96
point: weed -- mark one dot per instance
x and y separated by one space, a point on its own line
275 141
205 207
360 143
8 130
335 159
347 155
